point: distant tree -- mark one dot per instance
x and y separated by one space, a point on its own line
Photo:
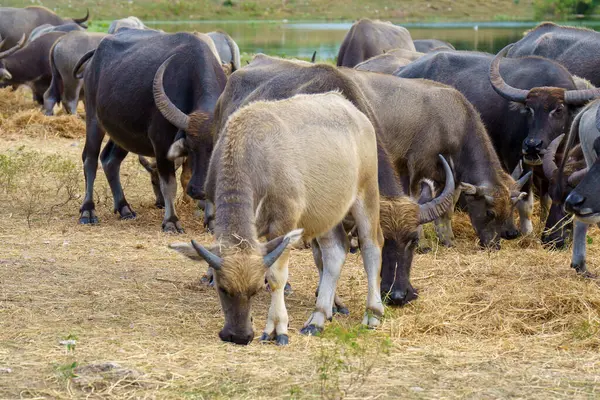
563 8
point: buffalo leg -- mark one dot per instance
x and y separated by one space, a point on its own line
168 187
70 96
111 157
91 151
276 327
333 253
579 247
338 305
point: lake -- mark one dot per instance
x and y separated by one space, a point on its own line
294 39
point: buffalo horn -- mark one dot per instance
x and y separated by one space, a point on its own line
270 258
213 260
500 86
12 49
549 164
580 97
80 21
437 207
516 189
169 110
518 171
314 57
576 177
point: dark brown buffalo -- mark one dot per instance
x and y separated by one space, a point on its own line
368 39
16 22
29 65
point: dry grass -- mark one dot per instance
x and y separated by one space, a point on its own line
20 115
514 323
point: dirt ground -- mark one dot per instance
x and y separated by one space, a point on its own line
109 311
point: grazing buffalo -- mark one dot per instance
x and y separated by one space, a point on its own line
295 177
227 48
368 39
29 65
575 48
391 105
16 22
129 22
42 29
120 100
64 55
521 122
583 201
427 45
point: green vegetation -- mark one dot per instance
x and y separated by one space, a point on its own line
563 9
331 10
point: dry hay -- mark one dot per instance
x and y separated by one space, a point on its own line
513 323
19 115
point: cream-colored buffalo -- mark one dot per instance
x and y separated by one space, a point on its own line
290 170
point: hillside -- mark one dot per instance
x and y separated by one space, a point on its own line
399 11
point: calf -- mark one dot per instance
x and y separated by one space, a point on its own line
291 170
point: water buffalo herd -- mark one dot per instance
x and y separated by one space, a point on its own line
397 135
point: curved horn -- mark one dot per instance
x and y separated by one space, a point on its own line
169 110
576 177
518 171
499 85
213 260
14 48
80 21
521 182
549 164
579 97
270 258
435 208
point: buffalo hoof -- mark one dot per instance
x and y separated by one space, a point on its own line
207 281
582 271
127 213
287 290
282 340
550 243
311 330
266 338
172 227
341 310
88 218
400 297
424 249
160 206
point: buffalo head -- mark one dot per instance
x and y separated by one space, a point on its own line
549 110
239 272
195 138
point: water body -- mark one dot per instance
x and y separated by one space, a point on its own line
291 39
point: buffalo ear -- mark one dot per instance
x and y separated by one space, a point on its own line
177 149
187 250
514 106
467 188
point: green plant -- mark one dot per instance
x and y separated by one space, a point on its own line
563 8
67 371
346 358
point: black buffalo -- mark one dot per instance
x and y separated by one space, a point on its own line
525 105
29 65
137 104
16 22
575 48
427 45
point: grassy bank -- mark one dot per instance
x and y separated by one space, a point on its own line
407 10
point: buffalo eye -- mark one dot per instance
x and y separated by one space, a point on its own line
490 214
529 111
558 111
